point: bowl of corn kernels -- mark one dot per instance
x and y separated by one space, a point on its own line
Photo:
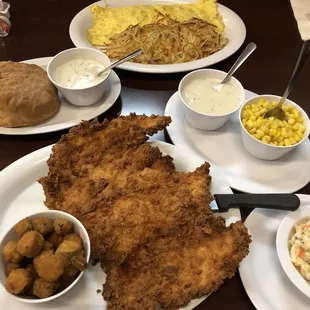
271 138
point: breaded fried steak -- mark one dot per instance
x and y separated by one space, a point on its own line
169 272
125 192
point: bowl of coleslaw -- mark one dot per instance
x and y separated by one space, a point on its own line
293 247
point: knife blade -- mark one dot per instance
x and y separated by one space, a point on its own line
224 202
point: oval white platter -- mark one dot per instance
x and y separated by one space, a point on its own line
21 195
223 148
235 31
69 115
262 275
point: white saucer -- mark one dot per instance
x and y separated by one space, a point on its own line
241 170
69 115
261 273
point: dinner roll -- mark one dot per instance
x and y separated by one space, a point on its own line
27 96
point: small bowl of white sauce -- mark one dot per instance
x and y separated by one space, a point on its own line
206 107
74 72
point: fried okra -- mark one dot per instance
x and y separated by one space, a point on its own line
68 248
49 266
74 237
43 225
44 289
48 246
30 244
10 252
78 261
18 281
23 226
63 226
55 240
11 266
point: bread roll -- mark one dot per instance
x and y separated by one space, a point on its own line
27 97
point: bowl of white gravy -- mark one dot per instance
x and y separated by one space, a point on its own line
75 73
207 106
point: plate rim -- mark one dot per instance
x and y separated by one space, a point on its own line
234 180
42 129
170 68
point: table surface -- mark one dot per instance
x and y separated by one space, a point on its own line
40 29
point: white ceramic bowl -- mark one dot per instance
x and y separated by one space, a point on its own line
11 235
201 120
265 151
84 96
284 234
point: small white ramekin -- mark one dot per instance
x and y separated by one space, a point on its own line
265 151
201 120
52 214
84 96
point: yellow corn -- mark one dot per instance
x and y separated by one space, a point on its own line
245 114
302 128
264 129
260 132
259 122
273 131
266 139
249 124
287 142
291 121
299 133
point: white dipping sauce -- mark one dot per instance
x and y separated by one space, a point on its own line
79 72
201 96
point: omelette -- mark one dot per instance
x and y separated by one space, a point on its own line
107 22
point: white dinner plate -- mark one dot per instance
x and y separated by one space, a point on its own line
261 273
69 115
235 31
21 195
223 148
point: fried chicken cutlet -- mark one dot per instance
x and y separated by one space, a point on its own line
123 190
169 272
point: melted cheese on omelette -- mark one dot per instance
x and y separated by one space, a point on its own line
110 21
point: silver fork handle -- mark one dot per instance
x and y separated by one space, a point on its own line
244 55
299 65
116 63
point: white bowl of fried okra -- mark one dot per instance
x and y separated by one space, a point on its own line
43 256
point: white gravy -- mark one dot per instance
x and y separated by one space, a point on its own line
202 97
79 72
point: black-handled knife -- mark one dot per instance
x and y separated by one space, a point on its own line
286 202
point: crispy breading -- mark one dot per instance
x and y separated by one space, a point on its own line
124 191
169 272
